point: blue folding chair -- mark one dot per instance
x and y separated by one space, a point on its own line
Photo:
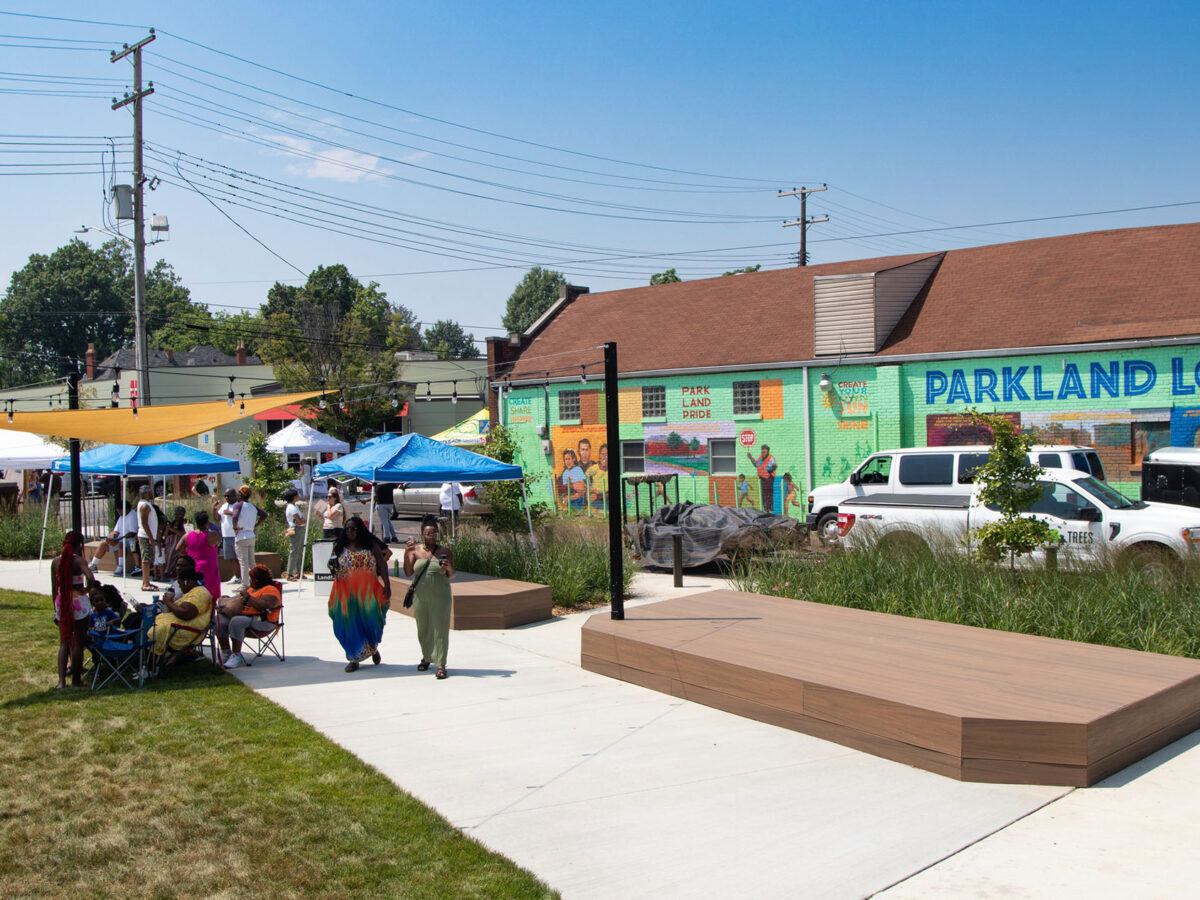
122 655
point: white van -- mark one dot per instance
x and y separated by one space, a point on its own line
930 470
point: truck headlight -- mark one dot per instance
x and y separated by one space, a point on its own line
1192 535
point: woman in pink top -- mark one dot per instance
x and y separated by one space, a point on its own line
201 545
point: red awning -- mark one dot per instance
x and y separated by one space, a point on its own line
293 411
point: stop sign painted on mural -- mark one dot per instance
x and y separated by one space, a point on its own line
747 438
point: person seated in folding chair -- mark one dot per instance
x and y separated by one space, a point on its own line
122 542
251 612
186 619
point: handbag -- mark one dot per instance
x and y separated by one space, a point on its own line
231 606
408 595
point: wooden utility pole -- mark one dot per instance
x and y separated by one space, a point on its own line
139 213
804 221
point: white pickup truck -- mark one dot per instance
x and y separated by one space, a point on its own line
1094 522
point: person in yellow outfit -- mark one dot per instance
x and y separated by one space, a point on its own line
192 609
598 479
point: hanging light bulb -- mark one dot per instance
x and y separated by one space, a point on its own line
10 412
322 404
428 391
133 406
229 398
242 411
454 393
116 391
583 374
395 403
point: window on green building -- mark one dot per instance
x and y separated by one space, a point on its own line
654 402
633 457
745 398
722 457
568 406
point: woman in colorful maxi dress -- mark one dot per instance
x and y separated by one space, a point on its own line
432 598
361 594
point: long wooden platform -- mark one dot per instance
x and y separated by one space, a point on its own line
968 703
483 602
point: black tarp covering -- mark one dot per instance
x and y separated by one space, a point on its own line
708 531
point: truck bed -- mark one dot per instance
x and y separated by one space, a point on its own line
938 501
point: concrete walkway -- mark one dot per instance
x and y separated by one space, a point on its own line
604 789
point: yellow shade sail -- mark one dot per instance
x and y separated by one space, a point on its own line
151 425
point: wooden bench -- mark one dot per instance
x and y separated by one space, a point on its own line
483 602
969 703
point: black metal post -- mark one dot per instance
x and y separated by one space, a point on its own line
677 549
616 558
76 479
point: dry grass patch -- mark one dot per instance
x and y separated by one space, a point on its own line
197 786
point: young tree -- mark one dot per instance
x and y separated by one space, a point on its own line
448 340
668 277
1008 482
333 334
505 497
536 293
270 477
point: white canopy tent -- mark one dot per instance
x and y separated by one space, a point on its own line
301 438
22 450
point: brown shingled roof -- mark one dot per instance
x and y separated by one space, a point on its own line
1079 288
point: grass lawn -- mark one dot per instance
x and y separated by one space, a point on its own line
197 786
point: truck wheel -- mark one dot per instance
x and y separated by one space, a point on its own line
827 528
903 543
1156 562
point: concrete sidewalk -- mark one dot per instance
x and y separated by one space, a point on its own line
604 789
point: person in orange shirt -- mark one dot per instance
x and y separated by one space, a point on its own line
765 466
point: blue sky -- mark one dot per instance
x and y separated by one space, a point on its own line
918 115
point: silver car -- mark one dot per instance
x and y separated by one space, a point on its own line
419 498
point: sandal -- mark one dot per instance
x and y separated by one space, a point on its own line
441 672
423 665
376 658
351 667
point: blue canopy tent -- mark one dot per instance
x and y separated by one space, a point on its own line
125 460
378 439
414 457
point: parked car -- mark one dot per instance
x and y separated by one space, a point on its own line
419 498
1092 519
1172 475
930 470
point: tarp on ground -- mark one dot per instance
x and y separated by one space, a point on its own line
150 425
472 431
709 531
415 457
22 450
166 459
298 437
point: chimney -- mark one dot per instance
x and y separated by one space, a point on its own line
90 361
241 352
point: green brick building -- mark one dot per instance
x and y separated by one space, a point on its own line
1089 339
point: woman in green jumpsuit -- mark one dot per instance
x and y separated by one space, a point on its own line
431 598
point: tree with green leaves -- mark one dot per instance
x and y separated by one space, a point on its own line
269 476
1008 482
447 339
505 497
744 270
668 277
336 334
535 294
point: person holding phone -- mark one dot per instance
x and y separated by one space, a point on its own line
434 565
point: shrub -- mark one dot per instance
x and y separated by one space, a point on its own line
21 533
573 564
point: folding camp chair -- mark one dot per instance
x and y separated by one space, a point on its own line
198 638
265 641
123 655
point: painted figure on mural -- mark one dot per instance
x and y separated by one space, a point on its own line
827 469
765 466
743 491
574 481
597 476
791 496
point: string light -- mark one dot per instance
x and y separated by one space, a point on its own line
428 391
116 390
229 399
454 394
322 404
546 386
10 411
242 411
583 374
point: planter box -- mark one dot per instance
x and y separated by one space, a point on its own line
482 602
270 560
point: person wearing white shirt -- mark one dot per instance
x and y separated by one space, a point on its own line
147 533
243 538
226 514
122 540
294 519
450 499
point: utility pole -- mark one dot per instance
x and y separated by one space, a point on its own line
804 221
139 212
